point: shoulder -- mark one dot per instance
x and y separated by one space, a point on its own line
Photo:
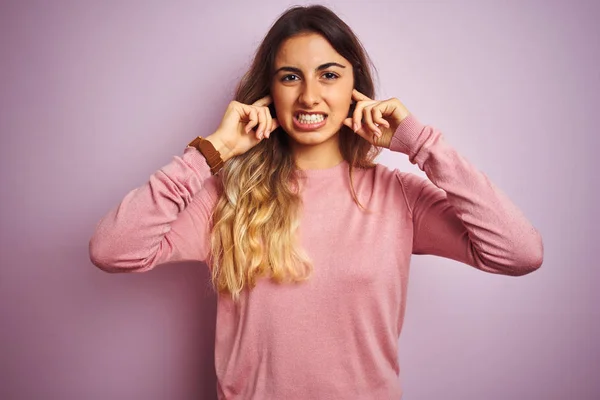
406 185
394 176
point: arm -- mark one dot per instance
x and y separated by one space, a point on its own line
166 219
460 214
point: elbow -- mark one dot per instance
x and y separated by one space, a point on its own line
520 261
102 265
538 260
98 257
533 258
109 259
102 256
527 268
535 263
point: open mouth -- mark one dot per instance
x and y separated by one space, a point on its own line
314 121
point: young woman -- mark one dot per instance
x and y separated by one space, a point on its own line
308 240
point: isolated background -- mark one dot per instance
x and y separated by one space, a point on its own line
97 95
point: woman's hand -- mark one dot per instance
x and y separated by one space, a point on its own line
374 120
235 134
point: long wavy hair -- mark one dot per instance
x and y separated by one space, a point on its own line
256 219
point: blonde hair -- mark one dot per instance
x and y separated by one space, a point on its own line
256 219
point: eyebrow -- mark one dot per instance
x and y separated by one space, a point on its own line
319 68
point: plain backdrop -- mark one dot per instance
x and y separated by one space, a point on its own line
97 95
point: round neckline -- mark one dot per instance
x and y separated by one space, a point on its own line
325 172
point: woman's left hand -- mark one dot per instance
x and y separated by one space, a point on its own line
374 120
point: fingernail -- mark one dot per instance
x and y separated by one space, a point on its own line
355 127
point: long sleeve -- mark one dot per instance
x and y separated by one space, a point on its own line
459 213
167 219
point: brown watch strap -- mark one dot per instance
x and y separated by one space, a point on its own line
213 157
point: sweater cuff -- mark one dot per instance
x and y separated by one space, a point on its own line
406 137
197 161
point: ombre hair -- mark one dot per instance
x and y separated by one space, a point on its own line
256 219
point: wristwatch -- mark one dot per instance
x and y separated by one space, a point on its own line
206 148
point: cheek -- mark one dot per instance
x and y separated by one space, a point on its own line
283 104
342 110
340 103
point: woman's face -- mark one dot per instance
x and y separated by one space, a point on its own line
311 89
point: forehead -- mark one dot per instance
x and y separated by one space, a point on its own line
306 50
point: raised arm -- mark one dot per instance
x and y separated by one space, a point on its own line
459 213
166 219
169 218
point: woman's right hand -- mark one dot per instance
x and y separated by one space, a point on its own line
235 134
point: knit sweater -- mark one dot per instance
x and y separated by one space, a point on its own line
336 335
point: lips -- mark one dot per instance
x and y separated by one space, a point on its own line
309 126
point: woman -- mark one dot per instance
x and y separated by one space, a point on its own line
308 240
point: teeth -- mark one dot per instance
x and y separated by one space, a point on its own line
311 119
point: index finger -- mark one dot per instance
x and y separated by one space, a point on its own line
265 101
358 96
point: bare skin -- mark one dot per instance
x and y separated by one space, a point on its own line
311 78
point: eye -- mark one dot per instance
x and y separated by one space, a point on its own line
331 75
285 78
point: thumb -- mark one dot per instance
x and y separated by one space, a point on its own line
348 123
274 124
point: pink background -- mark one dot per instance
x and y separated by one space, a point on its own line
97 95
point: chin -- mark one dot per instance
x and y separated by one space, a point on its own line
311 138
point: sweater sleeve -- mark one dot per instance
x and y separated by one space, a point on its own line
167 219
459 213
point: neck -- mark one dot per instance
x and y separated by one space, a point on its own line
322 156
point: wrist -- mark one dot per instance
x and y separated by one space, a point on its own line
225 152
407 136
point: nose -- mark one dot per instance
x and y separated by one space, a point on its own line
310 94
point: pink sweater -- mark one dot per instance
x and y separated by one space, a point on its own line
335 336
